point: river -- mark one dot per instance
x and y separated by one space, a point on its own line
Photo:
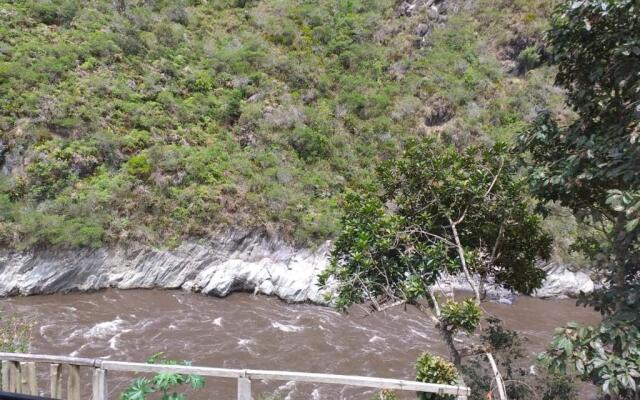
258 332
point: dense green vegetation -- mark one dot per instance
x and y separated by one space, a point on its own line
152 121
591 166
435 210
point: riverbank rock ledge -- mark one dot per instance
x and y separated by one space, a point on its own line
235 262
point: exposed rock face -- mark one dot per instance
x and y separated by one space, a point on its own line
239 262
561 282
217 267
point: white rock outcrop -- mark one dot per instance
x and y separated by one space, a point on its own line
562 282
236 262
218 267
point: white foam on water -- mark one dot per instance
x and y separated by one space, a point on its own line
420 334
113 342
290 387
287 328
376 339
104 329
217 321
245 342
44 328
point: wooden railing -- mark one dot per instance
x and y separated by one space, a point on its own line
19 376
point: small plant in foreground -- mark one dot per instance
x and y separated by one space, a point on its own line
15 334
465 316
434 369
164 383
385 394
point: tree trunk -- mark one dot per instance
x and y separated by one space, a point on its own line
463 262
454 354
498 377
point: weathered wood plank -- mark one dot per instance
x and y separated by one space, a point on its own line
99 384
23 377
5 375
56 381
179 369
48 359
29 382
244 389
362 381
15 381
73 382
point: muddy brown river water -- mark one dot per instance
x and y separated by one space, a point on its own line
258 332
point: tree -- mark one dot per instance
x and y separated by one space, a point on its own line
435 210
592 166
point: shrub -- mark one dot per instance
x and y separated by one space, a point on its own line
528 59
435 369
465 315
139 166
309 144
135 140
53 12
15 334
130 42
56 230
284 35
178 14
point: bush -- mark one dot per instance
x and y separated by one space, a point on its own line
15 334
53 12
60 231
178 14
465 315
528 59
309 144
139 166
135 140
434 369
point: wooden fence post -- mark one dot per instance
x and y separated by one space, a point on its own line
5 375
56 381
244 389
15 382
99 384
28 374
73 382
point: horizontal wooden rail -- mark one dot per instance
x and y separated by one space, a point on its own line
14 363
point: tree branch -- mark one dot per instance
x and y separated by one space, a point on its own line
463 261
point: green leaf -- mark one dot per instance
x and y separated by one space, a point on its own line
632 224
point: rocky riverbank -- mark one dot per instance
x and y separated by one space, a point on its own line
233 262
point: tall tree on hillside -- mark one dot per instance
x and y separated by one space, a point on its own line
592 166
436 210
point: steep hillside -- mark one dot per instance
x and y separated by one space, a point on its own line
152 120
